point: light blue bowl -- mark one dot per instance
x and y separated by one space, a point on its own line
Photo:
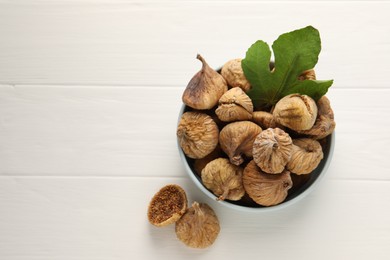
313 179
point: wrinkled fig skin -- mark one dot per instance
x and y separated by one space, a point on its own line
272 150
236 139
198 227
325 123
234 75
234 105
197 134
265 120
223 179
324 107
308 75
205 88
199 164
295 111
307 154
266 189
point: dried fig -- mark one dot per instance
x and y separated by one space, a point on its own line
234 105
308 75
205 88
325 123
197 134
198 227
306 155
295 111
324 107
199 164
266 189
265 120
234 75
272 150
223 179
237 139
167 205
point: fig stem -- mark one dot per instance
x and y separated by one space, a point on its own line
199 57
224 194
198 210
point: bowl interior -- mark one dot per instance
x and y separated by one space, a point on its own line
302 184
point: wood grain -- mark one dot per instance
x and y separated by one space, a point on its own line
155 43
105 218
119 131
89 98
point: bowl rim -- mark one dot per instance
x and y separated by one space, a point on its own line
282 205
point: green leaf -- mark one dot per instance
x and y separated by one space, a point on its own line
294 53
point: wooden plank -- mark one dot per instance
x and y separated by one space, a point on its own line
89 131
105 218
135 43
118 131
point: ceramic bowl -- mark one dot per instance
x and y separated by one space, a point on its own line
307 182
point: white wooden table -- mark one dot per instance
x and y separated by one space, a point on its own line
89 98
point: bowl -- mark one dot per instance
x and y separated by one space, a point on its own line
308 181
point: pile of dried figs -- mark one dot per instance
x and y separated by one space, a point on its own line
196 227
247 155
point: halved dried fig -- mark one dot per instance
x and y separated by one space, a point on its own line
167 205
